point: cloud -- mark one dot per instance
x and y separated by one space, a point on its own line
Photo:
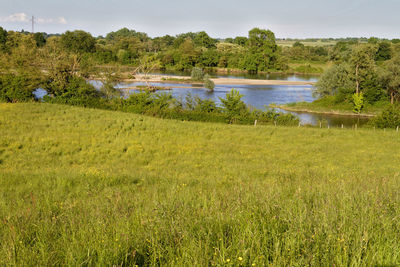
62 20
23 17
17 17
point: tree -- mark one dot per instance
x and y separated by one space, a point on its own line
242 41
208 83
333 81
384 51
233 105
197 74
3 38
204 40
262 50
40 39
390 77
362 64
358 102
298 44
78 42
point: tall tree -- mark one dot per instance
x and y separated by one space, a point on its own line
262 50
363 64
391 78
78 42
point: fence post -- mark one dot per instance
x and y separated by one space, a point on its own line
397 129
299 124
342 126
320 124
356 126
255 123
275 123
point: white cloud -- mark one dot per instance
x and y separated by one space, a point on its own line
23 17
62 20
17 17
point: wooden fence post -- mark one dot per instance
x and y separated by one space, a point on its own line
255 123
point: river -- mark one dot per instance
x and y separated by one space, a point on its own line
261 96
257 96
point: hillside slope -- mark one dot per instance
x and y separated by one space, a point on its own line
93 187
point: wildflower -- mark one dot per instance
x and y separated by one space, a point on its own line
240 258
228 260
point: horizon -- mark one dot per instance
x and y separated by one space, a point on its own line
287 19
215 37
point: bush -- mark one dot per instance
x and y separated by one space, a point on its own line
234 107
389 118
18 88
358 101
208 83
197 74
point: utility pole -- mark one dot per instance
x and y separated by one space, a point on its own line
33 24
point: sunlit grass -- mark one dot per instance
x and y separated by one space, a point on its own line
91 187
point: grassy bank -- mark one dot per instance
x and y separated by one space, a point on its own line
92 187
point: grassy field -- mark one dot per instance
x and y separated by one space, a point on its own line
91 187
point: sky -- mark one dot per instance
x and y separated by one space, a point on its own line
219 18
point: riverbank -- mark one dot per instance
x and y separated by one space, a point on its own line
155 78
325 112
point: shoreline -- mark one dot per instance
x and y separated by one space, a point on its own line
218 81
332 112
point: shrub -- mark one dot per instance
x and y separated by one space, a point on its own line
208 83
18 88
197 74
358 101
389 118
234 107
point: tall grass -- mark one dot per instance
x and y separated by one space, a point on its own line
93 187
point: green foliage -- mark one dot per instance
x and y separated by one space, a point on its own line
390 78
125 33
334 81
40 39
78 42
389 118
262 54
298 44
3 38
208 83
197 74
358 101
384 51
233 106
362 65
18 88
204 40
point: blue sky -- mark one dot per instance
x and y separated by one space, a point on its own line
220 18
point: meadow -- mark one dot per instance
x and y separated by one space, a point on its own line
93 187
